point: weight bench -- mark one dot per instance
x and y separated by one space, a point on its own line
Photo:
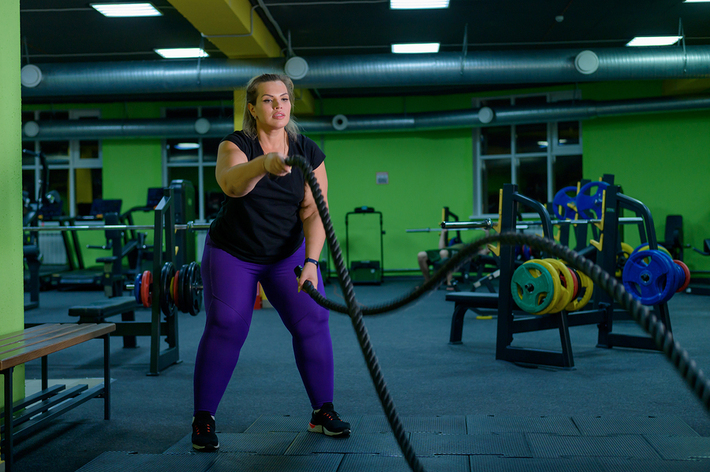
97 312
38 342
465 301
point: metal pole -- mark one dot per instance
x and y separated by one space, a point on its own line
190 226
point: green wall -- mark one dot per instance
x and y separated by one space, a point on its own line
661 159
426 170
11 279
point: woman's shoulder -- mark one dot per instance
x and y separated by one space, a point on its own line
241 140
309 149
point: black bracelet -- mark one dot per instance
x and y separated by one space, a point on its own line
308 259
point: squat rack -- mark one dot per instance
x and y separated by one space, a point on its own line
512 320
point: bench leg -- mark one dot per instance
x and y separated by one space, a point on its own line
457 324
7 440
129 341
107 376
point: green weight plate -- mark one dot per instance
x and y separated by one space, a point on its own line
532 287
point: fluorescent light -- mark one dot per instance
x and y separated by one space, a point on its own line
186 146
696 1
653 41
417 4
415 48
181 53
126 9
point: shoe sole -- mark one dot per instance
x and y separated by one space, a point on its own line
205 448
320 429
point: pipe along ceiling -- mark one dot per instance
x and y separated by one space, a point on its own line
218 128
383 70
505 67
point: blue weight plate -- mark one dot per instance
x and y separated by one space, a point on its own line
590 199
560 203
137 288
649 277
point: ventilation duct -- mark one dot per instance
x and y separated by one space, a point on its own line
381 70
182 128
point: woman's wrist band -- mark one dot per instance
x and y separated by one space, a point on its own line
308 259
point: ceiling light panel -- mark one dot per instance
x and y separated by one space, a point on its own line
415 48
653 41
418 4
116 10
181 53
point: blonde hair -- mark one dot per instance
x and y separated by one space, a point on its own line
251 95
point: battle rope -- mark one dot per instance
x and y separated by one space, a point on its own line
679 357
356 317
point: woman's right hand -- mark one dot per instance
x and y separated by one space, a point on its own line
274 163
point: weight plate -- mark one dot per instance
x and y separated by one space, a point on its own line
166 275
649 277
566 284
185 294
575 283
146 293
686 272
180 301
174 289
590 198
557 290
645 246
195 289
621 257
584 292
137 287
564 205
532 287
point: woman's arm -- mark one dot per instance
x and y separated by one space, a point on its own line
237 176
313 226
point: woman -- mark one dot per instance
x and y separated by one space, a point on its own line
268 225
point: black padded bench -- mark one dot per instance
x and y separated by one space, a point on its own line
465 301
97 312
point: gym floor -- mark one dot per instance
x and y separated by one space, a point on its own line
618 409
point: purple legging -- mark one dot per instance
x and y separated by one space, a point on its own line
230 291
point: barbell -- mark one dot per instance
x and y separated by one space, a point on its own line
462 225
189 226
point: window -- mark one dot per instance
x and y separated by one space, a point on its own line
541 158
75 166
194 159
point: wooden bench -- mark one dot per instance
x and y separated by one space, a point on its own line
38 342
467 301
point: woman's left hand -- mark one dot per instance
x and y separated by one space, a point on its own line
309 272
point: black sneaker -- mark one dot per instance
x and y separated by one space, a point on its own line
204 438
328 422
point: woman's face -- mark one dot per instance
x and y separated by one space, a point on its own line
273 106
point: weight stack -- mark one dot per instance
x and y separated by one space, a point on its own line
184 205
366 272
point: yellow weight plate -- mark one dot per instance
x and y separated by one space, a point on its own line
646 246
555 282
624 254
566 285
584 294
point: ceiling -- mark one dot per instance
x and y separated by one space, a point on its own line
72 31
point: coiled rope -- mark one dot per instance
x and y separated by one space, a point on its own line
679 357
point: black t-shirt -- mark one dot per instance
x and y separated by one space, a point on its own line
264 225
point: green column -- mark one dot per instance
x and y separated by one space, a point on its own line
11 296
